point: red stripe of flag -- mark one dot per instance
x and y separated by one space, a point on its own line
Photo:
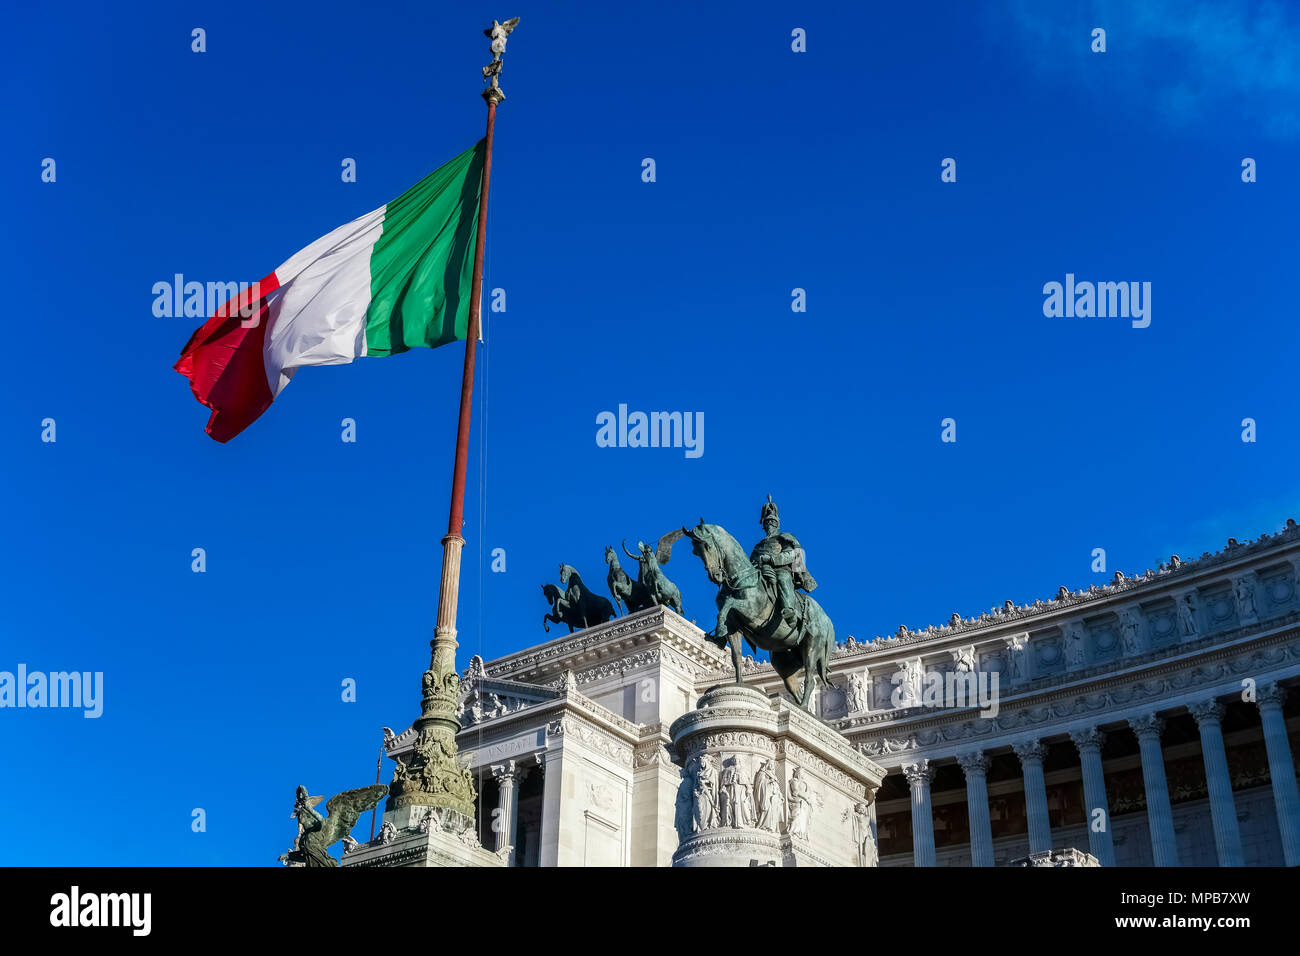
223 361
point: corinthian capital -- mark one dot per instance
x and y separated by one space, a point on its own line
1030 751
1147 725
1206 711
1090 738
1269 695
918 771
974 764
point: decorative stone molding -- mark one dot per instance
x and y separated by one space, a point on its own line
887 745
427 846
1161 685
613 640
1147 586
592 737
653 755
1053 858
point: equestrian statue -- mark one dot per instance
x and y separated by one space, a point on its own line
764 599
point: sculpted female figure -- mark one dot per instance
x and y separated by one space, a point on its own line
769 804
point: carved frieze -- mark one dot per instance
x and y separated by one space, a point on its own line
598 740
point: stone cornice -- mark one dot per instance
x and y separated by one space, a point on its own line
1102 700
542 714
584 650
1010 620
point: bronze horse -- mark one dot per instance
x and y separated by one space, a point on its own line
745 606
576 606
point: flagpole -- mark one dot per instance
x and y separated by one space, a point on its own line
431 775
453 542
379 769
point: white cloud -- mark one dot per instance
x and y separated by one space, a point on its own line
1187 61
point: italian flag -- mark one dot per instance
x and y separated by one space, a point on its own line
396 278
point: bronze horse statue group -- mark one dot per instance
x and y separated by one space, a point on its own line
794 629
575 606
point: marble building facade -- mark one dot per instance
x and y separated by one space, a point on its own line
1154 720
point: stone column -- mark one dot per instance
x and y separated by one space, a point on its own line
975 766
919 775
1223 811
507 815
550 766
1089 742
1160 818
1286 800
1031 754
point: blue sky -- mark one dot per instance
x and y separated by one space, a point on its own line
775 170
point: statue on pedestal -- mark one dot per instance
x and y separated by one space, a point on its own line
317 833
760 598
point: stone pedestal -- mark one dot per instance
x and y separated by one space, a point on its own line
767 784
424 836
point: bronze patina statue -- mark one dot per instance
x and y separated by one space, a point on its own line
779 559
762 598
317 833
624 590
660 590
576 606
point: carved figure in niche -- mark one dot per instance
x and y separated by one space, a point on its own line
769 801
856 696
799 806
705 792
1016 657
862 834
1245 597
684 810
1130 633
736 796
1187 615
1074 654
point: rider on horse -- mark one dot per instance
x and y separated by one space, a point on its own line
780 563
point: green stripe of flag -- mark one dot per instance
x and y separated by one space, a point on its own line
422 263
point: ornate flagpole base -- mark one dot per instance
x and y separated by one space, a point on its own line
431 775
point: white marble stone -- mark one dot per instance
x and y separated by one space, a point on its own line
767 784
